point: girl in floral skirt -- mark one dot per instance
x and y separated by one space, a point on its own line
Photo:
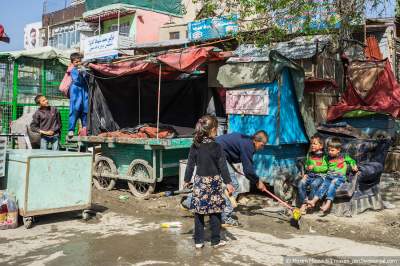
208 188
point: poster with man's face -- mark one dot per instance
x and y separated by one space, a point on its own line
31 35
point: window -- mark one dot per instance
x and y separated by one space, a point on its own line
65 40
174 35
124 28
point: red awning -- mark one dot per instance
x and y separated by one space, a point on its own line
123 68
187 61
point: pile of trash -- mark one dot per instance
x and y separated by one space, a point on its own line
8 212
142 132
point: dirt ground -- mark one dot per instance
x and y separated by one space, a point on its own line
372 227
127 232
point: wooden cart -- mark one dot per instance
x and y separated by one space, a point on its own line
141 162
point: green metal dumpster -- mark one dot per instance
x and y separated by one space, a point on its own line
46 182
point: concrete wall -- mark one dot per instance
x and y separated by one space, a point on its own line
166 29
180 23
148 25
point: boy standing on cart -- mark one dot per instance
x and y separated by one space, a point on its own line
78 92
47 122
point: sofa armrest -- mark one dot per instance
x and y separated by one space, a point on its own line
347 189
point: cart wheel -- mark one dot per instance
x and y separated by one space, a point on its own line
283 188
28 221
144 170
104 165
85 215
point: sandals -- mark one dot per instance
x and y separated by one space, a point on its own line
303 209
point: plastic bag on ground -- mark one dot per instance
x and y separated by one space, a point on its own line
8 212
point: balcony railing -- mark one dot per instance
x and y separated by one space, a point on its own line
65 15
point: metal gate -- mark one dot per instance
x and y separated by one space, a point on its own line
21 81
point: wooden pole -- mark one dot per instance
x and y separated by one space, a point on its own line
138 80
119 15
99 26
158 101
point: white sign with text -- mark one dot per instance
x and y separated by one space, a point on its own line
99 46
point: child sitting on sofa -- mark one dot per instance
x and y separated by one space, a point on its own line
338 164
316 166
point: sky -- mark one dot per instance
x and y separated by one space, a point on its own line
387 9
15 14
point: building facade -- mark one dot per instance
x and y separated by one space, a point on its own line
177 27
64 29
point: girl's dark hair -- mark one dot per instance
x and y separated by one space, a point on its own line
204 127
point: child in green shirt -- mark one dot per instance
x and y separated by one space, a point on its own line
316 166
336 176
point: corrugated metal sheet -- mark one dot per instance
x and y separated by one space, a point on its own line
298 48
160 44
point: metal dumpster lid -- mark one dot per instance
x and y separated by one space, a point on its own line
23 155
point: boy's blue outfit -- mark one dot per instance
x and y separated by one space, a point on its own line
238 148
314 177
331 183
79 99
337 169
313 182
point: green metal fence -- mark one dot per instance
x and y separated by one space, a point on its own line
6 95
21 80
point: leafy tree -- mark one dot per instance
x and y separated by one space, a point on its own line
268 20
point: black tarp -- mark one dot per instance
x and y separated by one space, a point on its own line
115 102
